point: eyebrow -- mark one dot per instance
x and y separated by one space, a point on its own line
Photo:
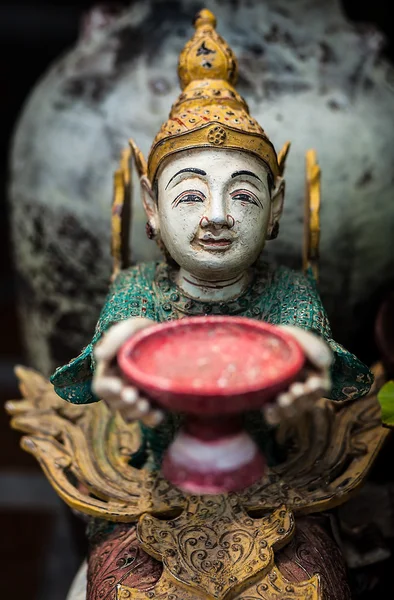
239 173
189 170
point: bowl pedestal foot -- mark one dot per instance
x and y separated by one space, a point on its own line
213 456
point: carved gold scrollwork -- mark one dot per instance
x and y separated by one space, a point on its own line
215 550
333 448
85 452
214 545
121 213
275 587
272 586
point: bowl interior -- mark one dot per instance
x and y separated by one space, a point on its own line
210 356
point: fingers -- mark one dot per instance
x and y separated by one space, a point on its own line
318 384
314 386
133 407
316 350
271 414
129 396
286 408
126 400
153 418
131 404
105 384
112 340
144 413
107 387
299 397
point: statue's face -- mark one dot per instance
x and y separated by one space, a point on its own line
213 210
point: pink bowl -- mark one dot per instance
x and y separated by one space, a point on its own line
211 365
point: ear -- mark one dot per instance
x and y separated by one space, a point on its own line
277 201
149 202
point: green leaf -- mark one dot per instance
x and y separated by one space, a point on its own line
386 400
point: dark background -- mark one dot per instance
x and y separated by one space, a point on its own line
41 545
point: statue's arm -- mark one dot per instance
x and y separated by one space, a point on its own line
302 307
73 381
351 378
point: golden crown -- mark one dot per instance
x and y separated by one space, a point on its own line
209 112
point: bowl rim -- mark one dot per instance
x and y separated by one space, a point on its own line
161 385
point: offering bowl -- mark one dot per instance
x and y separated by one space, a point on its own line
212 370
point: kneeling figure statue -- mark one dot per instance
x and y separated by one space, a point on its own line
213 190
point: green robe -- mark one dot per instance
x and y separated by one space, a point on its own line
276 295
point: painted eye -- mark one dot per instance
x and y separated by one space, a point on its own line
245 197
189 197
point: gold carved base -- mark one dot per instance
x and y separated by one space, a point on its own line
215 550
271 586
212 547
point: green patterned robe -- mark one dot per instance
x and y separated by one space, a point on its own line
276 295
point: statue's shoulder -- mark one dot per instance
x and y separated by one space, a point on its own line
131 295
134 278
286 281
292 298
287 275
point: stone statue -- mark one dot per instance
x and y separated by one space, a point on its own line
213 192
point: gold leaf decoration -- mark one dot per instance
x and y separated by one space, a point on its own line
333 448
214 545
272 586
312 214
85 453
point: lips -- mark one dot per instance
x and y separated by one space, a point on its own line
215 242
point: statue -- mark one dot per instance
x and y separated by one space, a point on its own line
213 192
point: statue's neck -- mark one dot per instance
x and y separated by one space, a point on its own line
219 290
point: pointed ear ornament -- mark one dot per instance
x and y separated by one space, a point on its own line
139 158
282 156
122 205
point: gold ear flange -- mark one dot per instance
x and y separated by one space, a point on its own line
122 206
282 156
139 158
312 215
121 214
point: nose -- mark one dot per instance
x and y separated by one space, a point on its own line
217 214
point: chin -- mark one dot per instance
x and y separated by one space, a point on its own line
214 264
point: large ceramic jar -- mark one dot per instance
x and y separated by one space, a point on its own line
317 81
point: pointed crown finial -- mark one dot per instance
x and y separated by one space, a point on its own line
204 17
209 112
206 55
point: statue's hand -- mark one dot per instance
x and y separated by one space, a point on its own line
314 381
108 383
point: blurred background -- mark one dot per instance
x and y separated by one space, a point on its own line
41 543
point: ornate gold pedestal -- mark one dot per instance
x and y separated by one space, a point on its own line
212 547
